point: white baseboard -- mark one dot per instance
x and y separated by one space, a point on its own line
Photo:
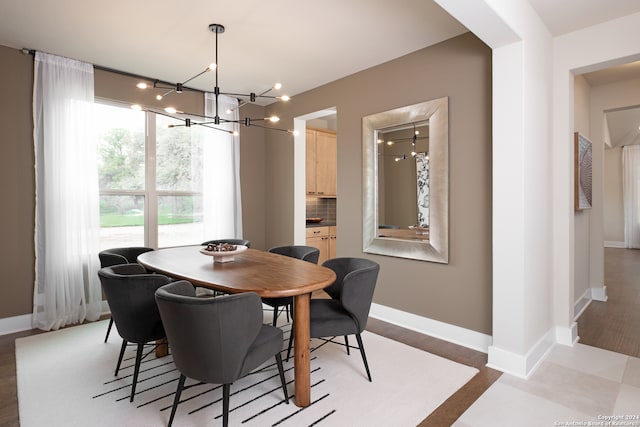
455 334
522 365
614 244
582 303
599 294
10 325
567 336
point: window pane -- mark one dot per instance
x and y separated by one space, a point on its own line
121 221
179 220
120 148
178 156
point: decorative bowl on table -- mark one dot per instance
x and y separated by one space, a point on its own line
222 252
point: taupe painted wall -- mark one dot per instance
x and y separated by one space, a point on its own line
17 183
17 169
459 293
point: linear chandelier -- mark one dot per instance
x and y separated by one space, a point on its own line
208 121
414 139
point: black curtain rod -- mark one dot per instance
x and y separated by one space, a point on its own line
123 73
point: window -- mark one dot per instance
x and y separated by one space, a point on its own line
142 202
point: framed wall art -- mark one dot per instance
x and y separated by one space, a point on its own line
582 171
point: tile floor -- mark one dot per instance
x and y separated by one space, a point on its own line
579 385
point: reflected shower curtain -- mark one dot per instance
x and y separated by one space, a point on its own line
67 289
631 195
222 208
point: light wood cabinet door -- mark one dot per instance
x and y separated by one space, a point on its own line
318 237
310 164
321 163
322 243
326 164
332 247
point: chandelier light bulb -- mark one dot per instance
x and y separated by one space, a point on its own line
413 153
284 97
277 86
389 142
274 119
136 107
159 97
295 133
380 141
142 85
235 133
212 66
171 110
417 132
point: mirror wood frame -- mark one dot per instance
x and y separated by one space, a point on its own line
436 249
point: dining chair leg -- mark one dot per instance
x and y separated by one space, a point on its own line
275 315
282 380
364 356
108 329
136 369
122 349
225 404
176 400
290 343
346 343
289 308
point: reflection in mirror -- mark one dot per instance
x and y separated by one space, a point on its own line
406 182
403 163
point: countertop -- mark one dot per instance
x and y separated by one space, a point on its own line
320 224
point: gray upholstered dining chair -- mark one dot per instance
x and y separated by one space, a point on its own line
216 340
116 256
242 242
305 253
347 311
130 292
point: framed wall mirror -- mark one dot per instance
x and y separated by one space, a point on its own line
406 182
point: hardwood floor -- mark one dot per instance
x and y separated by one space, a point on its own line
613 325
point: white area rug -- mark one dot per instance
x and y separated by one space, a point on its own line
65 378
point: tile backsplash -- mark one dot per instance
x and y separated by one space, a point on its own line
321 208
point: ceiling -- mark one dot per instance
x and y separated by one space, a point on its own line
302 47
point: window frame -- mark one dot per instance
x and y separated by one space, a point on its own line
150 193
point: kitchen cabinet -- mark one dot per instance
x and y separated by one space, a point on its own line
323 238
321 162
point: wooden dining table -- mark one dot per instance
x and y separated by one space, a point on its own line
265 273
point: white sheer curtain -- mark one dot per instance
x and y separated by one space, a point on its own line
631 195
222 208
67 289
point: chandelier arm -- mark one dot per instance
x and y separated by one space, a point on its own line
248 95
269 127
196 76
207 125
